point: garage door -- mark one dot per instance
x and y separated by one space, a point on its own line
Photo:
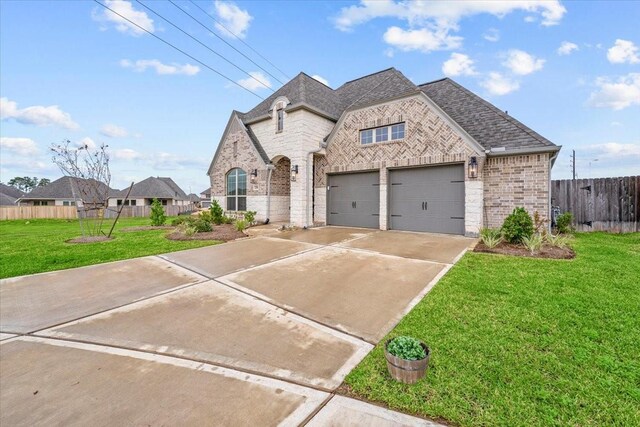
427 199
353 200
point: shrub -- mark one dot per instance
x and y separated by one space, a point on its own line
157 216
241 225
533 243
227 220
564 223
189 230
406 348
250 216
186 219
491 237
517 225
202 226
216 212
558 240
205 216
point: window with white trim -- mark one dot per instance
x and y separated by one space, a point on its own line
280 119
382 134
236 190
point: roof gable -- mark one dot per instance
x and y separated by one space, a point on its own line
155 188
10 191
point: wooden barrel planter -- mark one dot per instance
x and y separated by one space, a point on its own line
406 371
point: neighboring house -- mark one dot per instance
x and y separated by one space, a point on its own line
9 195
205 198
381 152
142 193
68 191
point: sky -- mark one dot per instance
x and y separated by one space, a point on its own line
72 70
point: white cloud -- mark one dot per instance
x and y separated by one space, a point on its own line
127 11
522 63
497 84
233 18
616 94
623 51
36 115
530 19
430 22
424 39
566 48
141 65
458 65
616 150
127 154
614 123
321 79
492 35
113 131
20 146
257 81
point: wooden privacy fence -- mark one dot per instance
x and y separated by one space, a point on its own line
600 204
70 212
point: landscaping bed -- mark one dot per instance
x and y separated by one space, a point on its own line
518 341
222 232
545 251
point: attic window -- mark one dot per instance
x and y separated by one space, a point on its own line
280 119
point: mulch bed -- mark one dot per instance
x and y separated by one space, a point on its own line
224 232
90 239
546 251
146 227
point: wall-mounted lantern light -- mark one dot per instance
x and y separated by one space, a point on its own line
254 176
294 172
473 167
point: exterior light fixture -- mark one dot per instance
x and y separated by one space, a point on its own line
254 176
473 167
294 172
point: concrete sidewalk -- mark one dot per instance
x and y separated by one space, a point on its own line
258 331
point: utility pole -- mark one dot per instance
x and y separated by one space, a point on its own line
574 163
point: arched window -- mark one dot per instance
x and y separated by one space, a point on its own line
236 190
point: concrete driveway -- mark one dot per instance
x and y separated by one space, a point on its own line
256 331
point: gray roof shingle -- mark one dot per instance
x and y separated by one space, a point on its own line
155 188
489 126
10 191
7 200
62 188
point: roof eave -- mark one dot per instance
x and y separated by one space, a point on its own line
523 150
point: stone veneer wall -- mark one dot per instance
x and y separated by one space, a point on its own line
515 181
429 140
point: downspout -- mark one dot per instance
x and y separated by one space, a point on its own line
310 183
270 169
552 161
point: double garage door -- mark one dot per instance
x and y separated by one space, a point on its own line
420 199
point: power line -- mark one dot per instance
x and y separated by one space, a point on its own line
202 44
223 40
238 37
179 50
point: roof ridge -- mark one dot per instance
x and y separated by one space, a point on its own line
368 75
501 113
434 81
316 80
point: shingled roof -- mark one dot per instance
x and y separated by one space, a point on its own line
63 188
10 191
305 91
155 188
489 126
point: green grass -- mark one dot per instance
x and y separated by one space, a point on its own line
38 245
525 342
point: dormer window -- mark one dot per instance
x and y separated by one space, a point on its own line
280 119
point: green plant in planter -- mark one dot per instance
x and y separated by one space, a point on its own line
406 348
517 225
491 237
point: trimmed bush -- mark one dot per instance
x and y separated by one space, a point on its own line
202 226
517 225
157 215
564 223
250 217
406 348
217 214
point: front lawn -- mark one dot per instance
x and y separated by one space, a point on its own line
524 342
37 245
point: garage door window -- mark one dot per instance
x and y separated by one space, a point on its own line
237 190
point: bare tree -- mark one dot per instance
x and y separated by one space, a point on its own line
88 169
